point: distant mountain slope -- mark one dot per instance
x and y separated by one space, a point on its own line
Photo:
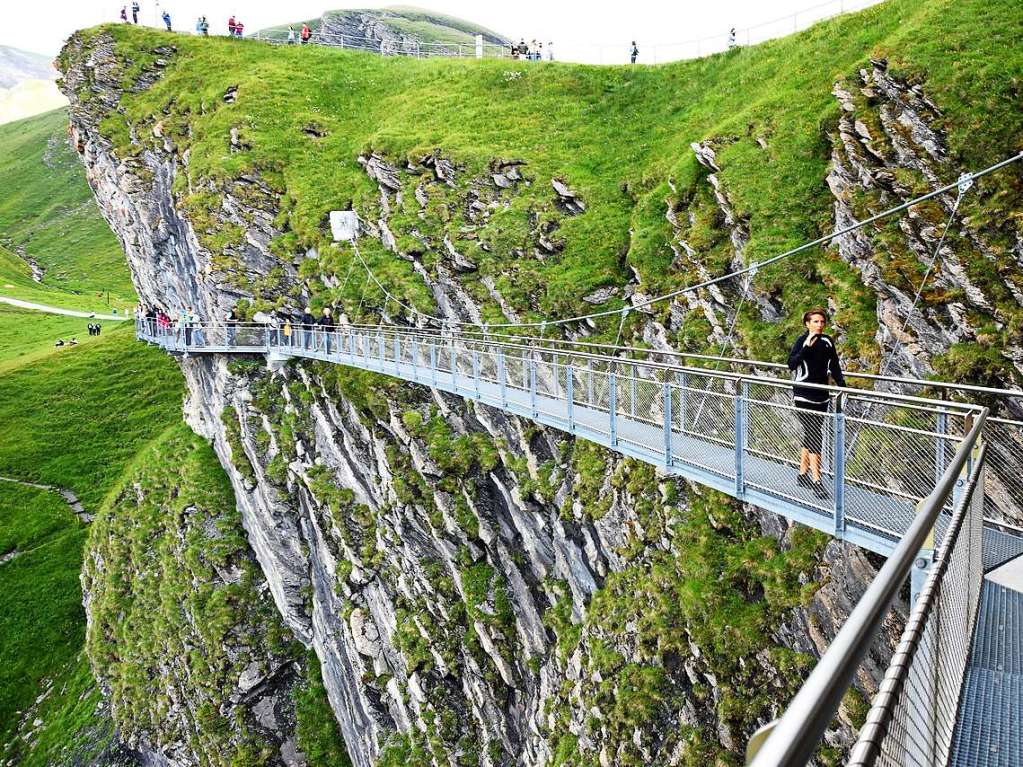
17 66
400 26
27 84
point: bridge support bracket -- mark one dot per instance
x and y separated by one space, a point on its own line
918 575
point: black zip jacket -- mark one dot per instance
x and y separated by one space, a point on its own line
814 364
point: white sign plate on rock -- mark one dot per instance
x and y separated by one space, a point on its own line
344 225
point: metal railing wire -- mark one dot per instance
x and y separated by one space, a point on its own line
921 720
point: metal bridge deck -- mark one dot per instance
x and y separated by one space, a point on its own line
872 519
990 722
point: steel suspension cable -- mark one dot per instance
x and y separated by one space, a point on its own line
966 177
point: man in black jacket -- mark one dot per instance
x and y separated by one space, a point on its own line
308 321
813 360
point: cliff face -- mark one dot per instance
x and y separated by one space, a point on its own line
480 590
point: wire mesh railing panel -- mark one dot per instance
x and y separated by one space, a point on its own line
898 449
709 411
913 718
1004 489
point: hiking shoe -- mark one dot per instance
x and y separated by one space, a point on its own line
820 490
803 480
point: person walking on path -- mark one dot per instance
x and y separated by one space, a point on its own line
634 54
813 359
135 12
326 323
306 34
308 321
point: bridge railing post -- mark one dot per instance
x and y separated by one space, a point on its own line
941 427
666 409
681 376
839 448
532 384
632 390
476 371
502 378
612 405
741 397
569 397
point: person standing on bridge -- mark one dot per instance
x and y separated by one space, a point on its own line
813 360
308 321
326 323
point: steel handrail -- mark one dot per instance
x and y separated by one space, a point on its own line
909 400
798 732
949 385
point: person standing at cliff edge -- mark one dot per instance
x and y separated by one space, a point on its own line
135 12
813 359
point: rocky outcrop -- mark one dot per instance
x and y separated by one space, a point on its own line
378 31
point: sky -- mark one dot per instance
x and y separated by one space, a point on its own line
595 31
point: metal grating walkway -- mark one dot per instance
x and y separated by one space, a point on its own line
990 731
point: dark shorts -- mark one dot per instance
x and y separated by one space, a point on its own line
812 419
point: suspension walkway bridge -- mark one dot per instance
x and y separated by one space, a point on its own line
919 480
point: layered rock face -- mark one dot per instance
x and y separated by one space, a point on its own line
374 30
478 589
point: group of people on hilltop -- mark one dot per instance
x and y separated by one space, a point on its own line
534 51
235 27
202 27
135 8
305 35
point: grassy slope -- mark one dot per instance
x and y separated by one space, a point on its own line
72 418
27 335
48 209
40 595
618 135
